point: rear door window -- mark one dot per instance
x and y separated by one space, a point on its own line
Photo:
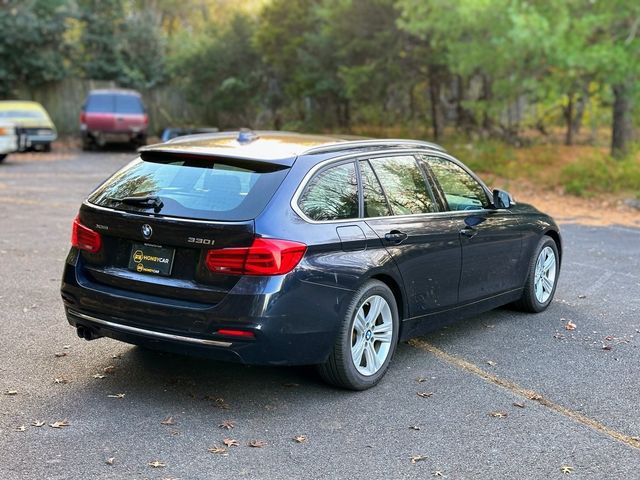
331 194
205 188
101 103
404 185
129 104
375 202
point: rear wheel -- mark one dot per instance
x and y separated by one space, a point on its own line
2 157
540 286
366 341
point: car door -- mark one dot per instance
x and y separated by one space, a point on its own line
400 206
490 238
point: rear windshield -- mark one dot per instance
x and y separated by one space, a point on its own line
205 189
113 103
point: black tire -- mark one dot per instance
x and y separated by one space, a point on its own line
2 157
529 302
46 147
339 369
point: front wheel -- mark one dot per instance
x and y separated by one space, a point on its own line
366 341
540 286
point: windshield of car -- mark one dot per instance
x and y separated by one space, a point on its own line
22 114
211 189
113 103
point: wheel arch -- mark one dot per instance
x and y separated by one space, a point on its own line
395 288
556 238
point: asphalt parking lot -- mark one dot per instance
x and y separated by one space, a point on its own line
514 395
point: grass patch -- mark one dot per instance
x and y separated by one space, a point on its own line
598 173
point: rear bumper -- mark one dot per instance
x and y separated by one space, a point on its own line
294 322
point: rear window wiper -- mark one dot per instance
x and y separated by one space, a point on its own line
150 201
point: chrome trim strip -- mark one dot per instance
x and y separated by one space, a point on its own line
150 333
362 155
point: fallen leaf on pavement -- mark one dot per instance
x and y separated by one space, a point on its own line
438 473
37 423
498 414
11 392
218 450
582 296
230 442
60 354
257 443
116 395
566 469
21 428
414 427
98 375
227 424
60 380
109 369
421 379
110 460
168 421
157 464
59 424
300 438
606 347
535 396
66 347
491 363
424 394
570 325
519 404
417 458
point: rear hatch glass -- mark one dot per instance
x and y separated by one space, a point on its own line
203 188
114 103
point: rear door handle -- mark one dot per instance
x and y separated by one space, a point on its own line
395 236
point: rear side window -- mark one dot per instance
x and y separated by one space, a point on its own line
403 184
206 189
332 194
128 104
100 103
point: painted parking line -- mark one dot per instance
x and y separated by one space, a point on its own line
469 367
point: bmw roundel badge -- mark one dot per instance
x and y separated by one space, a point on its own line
147 231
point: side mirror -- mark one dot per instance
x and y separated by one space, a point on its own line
502 199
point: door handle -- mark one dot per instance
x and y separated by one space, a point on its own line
469 232
395 236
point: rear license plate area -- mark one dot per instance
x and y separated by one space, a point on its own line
151 259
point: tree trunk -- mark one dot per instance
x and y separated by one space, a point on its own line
580 108
568 117
621 131
434 97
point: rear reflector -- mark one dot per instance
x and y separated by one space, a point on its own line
264 257
84 238
236 333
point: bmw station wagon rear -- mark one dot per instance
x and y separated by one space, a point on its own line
287 249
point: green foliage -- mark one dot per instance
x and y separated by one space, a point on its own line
221 71
599 173
32 47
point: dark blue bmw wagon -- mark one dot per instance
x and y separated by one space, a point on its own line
288 249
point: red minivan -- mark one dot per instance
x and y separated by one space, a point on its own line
113 115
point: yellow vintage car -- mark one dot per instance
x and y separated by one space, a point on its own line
31 121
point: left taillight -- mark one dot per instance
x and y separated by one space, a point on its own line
265 256
84 238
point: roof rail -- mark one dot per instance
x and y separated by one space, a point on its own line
389 142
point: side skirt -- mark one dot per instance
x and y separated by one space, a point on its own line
413 327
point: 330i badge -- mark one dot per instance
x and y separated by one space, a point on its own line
286 249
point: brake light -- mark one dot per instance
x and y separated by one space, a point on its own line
145 119
236 333
83 117
264 257
84 238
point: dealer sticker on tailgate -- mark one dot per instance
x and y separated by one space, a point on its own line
152 259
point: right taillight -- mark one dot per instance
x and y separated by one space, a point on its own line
265 256
84 238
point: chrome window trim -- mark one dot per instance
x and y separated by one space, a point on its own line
382 153
149 333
